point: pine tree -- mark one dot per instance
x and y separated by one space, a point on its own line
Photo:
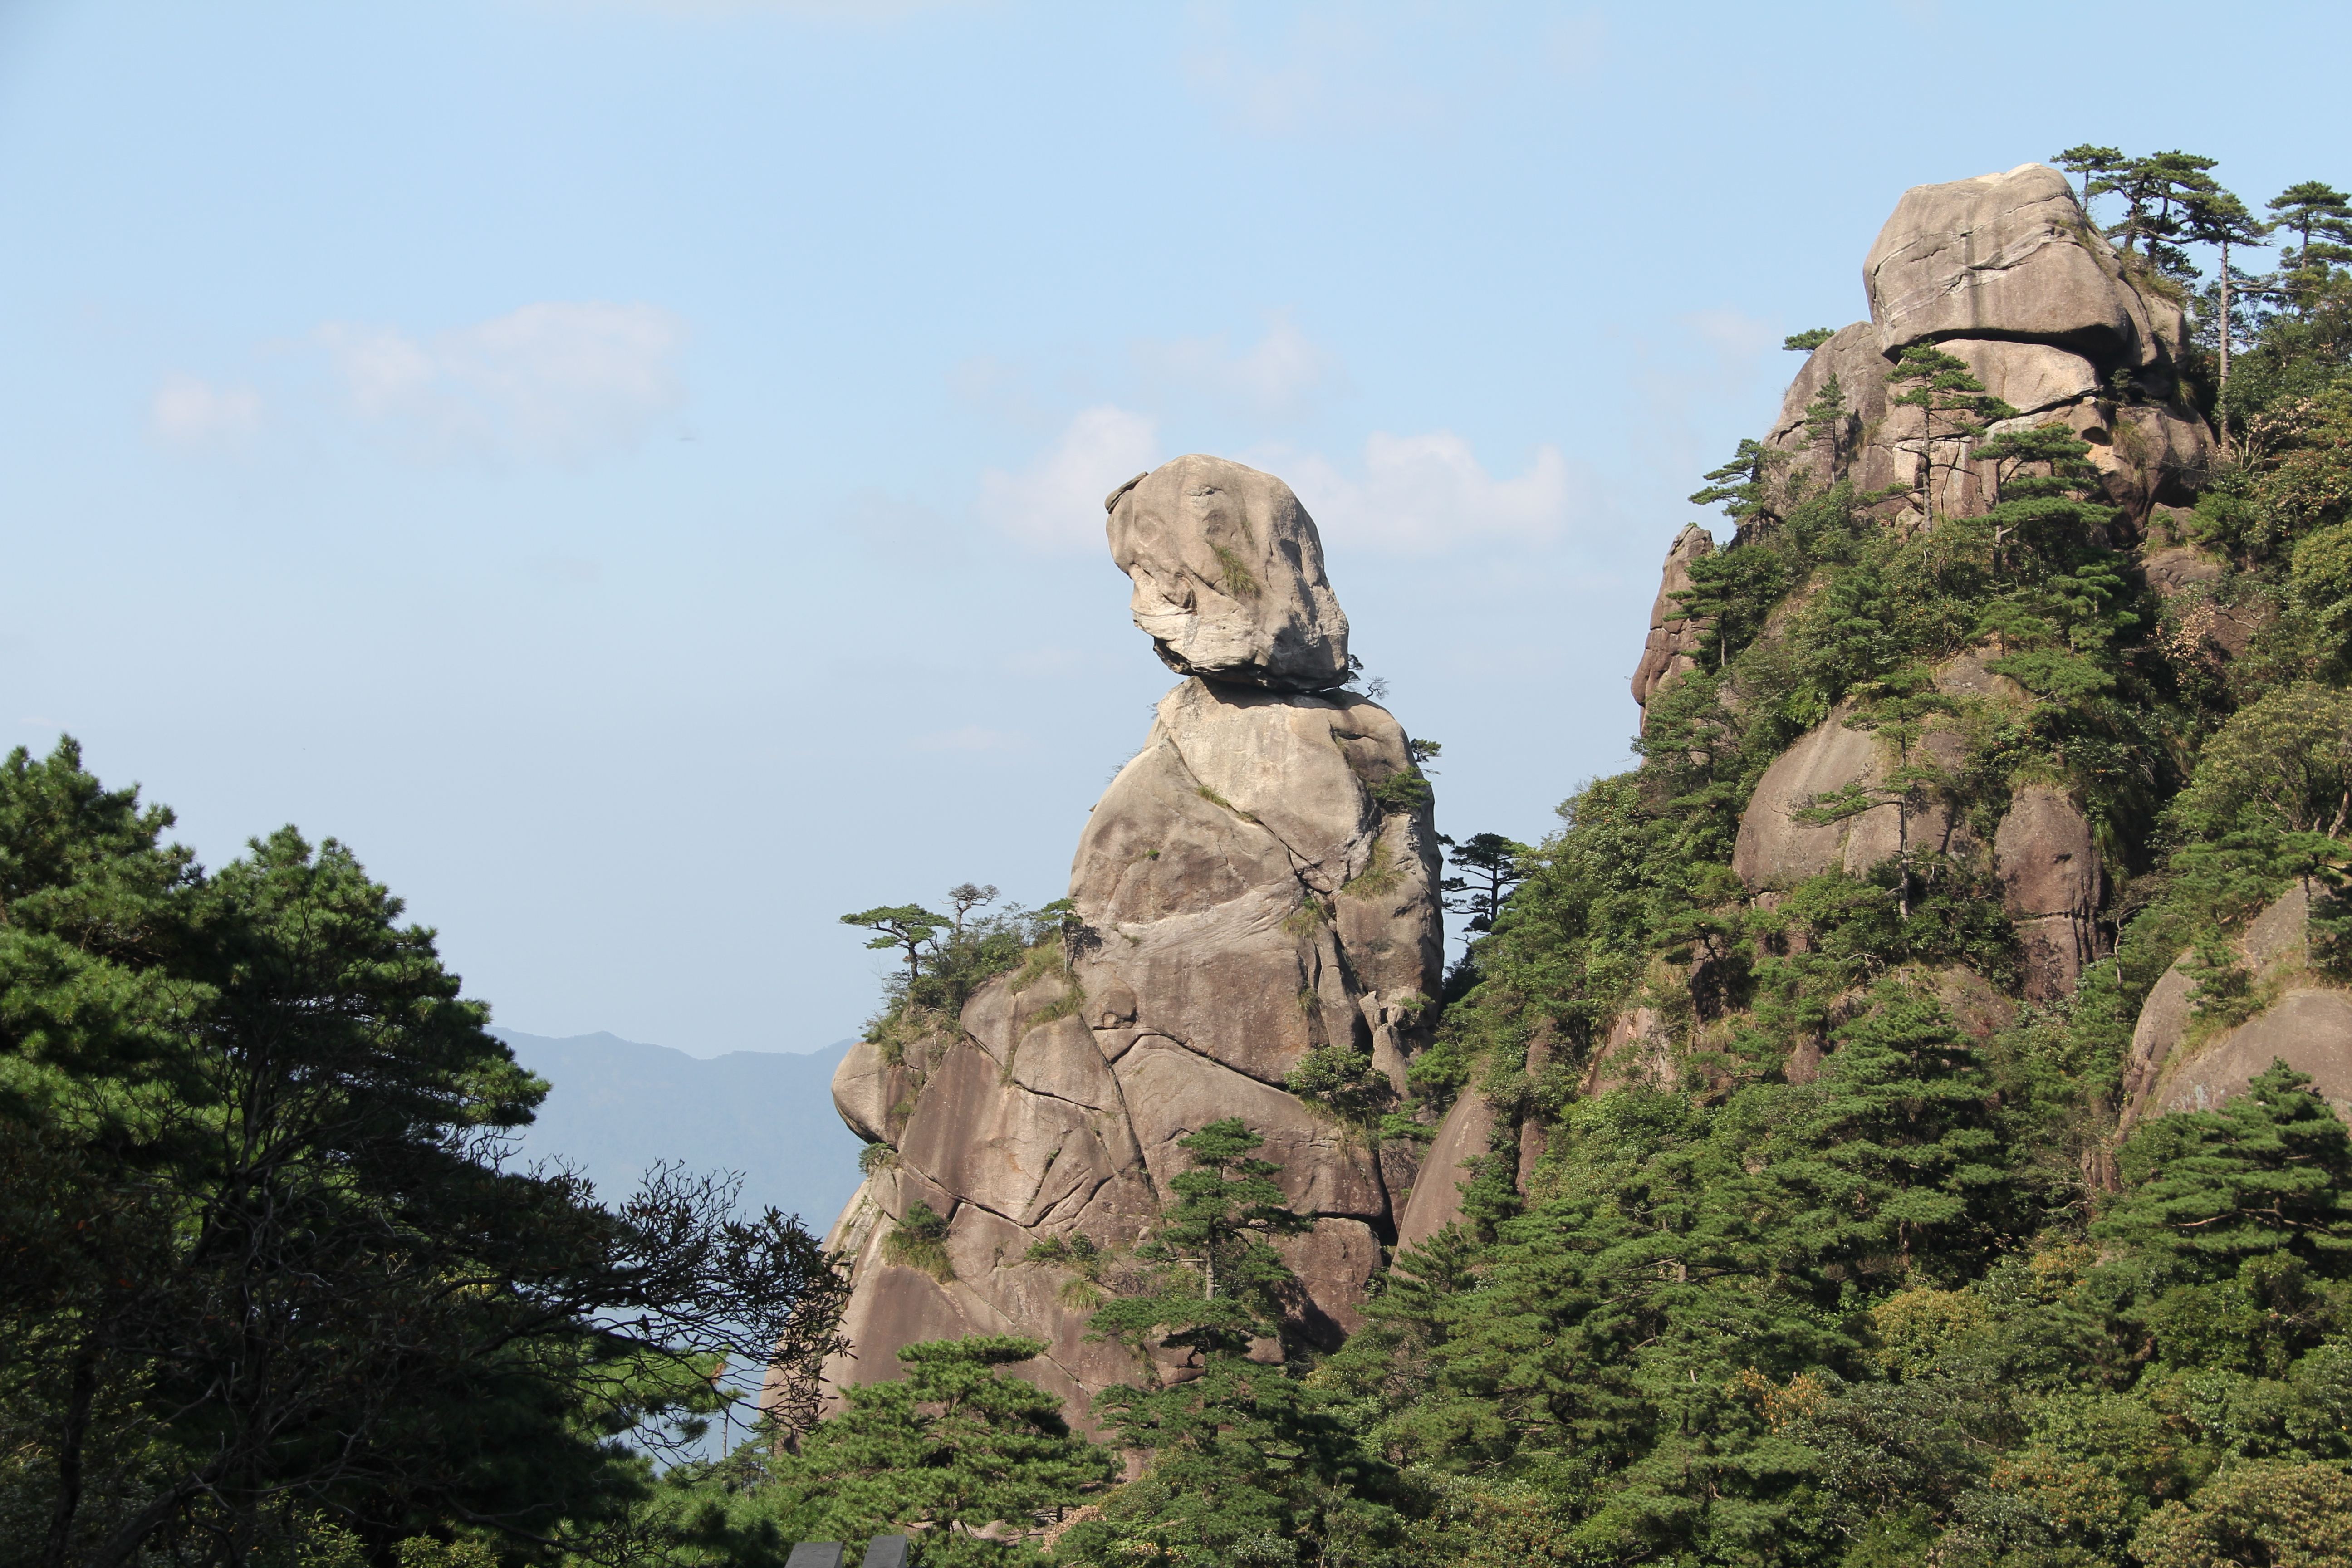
1893 1157
2093 164
2218 218
945 1450
1954 408
1488 867
2321 217
1228 1284
2269 1172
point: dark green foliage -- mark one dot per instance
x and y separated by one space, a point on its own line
2265 1177
1226 1284
1487 868
945 1449
1402 791
1246 1469
268 1281
1343 1082
1809 340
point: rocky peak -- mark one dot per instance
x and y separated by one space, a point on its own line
1258 882
1228 574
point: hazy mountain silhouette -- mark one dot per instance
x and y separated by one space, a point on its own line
618 1108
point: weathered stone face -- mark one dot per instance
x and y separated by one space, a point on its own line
2003 272
1673 645
1228 574
2308 1023
1256 883
1775 849
2005 256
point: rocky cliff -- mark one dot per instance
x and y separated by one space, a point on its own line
1257 883
2005 273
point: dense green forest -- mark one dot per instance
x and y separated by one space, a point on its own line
274 1294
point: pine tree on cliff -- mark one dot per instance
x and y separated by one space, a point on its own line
1828 421
907 927
2095 164
1243 1458
946 1450
1954 408
2218 218
2321 217
1489 868
1226 1281
2058 619
2157 190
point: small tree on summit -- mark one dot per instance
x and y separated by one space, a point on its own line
904 926
2094 164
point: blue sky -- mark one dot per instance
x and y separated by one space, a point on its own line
633 471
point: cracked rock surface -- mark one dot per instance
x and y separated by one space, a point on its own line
1259 882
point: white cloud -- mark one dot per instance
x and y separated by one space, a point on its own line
556 379
1425 494
1055 503
1272 375
189 412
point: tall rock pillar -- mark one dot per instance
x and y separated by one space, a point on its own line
1258 882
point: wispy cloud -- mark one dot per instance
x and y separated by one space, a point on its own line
1429 493
1331 68
189 412
1055 502
1273 376
556 379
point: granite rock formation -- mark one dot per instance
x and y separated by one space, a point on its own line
2302 1017
1257 882
1228 574
1671 648
2005 272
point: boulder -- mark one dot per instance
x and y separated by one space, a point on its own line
2048 863
1673 643
1774 849
1228 575
2029 377
1172 1093
2008 256
2308 1023
2308 1028
2179 569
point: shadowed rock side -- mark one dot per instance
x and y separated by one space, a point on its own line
1249 893
1671 648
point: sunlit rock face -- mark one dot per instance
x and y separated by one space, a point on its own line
1259 882
1228 575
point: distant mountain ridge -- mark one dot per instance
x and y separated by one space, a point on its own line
618 1107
